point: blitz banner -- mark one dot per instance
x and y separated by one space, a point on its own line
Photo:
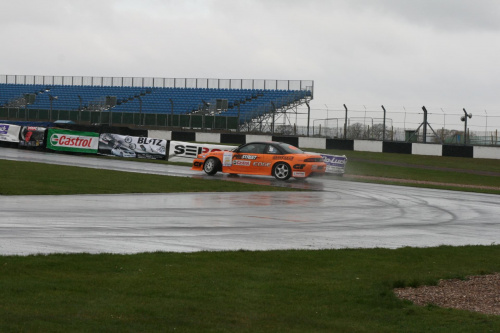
75 141
132 146
9 133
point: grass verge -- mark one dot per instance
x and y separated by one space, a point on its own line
22 178
346 290
451 173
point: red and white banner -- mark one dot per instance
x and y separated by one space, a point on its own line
186 151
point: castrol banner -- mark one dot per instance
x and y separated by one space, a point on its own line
75 141
9 133
132 146
186 151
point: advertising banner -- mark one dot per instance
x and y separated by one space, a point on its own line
9 133
132 146
75 141
335 163
186 151
32 136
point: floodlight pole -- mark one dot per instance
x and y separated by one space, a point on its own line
345 123
274 115
464 119
140 109
80 108
383 129
308 116
425 125
51 99
171 112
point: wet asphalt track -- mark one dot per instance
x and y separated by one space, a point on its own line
334 214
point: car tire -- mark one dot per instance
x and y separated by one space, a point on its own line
211 166
282 171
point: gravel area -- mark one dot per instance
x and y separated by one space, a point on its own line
479 293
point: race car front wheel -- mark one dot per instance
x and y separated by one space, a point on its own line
282 171
211 166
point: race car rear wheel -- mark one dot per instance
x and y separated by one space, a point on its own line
282 171
211 166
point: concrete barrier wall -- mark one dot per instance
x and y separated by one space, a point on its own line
365 145
486 152
312 143
166 135
338 144
252 138
458 151
426 149
207 137
183 136
396 147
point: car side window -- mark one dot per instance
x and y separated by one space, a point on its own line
247 149
271 150
255 148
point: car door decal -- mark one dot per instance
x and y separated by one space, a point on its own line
227 158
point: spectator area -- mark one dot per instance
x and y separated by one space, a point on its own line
246 103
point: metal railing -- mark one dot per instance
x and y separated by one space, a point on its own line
205 83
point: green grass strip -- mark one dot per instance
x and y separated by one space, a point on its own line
276 291
29 178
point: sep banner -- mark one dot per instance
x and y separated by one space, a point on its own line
132 146
75 141
32 136
335 163
9 133
186 151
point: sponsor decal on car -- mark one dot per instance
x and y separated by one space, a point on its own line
281 157
227 158
243 163
299 174
245 157
299 166
261 164
197 164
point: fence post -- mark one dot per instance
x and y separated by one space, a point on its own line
383 129
345 123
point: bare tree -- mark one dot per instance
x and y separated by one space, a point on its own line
356 131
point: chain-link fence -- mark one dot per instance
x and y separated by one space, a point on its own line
438 125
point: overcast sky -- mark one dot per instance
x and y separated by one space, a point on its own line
362 53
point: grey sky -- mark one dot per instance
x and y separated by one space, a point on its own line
438 53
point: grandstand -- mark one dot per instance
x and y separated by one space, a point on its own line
192 103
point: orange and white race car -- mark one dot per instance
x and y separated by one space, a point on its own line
277 159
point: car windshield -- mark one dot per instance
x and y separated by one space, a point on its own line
289 149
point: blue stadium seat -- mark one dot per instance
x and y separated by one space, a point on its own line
251 102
